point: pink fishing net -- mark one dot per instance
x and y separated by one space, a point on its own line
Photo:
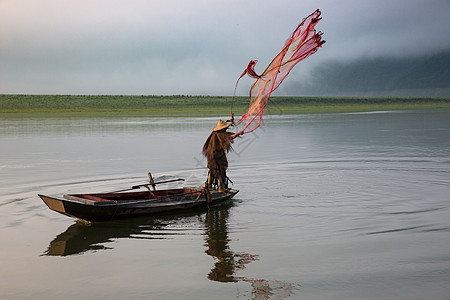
303 42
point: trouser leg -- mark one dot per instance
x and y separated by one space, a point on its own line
221 185
209 182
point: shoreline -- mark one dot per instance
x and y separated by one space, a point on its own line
25 106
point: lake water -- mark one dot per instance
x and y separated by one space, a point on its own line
331 206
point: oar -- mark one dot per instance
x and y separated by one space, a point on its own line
134 187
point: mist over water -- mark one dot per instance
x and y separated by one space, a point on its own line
331 206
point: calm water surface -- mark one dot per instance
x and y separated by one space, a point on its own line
331 206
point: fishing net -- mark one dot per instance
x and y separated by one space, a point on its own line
303 42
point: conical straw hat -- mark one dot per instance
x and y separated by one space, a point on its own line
221 125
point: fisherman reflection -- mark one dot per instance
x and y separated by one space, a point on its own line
228 262
217 242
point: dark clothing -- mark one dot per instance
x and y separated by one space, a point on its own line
215 150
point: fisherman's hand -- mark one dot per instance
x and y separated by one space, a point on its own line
232 117
237 134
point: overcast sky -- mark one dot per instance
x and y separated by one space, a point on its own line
196 47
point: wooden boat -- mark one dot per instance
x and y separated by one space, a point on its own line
120 205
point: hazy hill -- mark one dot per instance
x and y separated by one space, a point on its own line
419 76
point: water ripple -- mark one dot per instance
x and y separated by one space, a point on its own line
414 211
412 228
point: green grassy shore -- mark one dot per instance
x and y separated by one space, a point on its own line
116 105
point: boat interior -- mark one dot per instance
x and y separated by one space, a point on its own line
133 196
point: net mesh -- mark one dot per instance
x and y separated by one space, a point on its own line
303 42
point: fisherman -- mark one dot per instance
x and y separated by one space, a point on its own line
215 149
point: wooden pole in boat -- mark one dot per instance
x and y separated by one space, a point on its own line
152 182
146 185
155 183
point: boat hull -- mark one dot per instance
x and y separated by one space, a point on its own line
95 208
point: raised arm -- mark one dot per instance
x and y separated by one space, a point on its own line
233 136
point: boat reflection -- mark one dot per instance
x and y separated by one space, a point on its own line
84 237
80 238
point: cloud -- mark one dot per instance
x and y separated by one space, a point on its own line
196 46
388 28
